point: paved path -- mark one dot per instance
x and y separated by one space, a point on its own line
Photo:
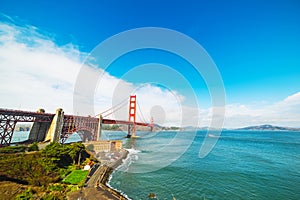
96 185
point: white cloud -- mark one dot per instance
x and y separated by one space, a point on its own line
293 99
35 72
163 105
282 113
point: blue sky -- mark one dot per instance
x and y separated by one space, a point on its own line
255 44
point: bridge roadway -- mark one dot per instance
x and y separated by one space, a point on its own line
62 126
113 121
24 116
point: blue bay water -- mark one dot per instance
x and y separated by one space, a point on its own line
20 136
243 165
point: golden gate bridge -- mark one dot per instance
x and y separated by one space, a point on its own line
58 127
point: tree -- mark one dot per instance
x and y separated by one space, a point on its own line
58 154
75 150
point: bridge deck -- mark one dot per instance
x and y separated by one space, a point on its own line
86 125
112 121
24 116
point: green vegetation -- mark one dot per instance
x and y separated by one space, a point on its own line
33 147
19 148
63 155
76 177
13 149
26 195
27 169
44 169
56 191
114 127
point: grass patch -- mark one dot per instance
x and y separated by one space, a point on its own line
76 177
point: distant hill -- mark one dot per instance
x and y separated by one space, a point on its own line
268 127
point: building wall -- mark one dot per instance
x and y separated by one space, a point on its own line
105 145
119 144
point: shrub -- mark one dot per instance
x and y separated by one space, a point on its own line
56 187
13 149
26 195
33 147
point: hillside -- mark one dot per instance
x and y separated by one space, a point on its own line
268 127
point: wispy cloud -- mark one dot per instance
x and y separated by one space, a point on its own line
283 113
36 72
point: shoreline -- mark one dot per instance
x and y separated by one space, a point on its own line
97 186
108 173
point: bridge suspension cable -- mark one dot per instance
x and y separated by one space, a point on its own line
113 108
142 116
120 105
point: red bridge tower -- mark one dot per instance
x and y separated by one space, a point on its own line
132 116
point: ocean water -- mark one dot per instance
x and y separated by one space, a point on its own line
242 165
20 136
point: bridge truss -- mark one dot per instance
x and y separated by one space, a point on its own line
86 127
9 119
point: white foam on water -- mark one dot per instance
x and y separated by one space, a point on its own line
131 157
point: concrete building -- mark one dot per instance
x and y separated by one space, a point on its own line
105 145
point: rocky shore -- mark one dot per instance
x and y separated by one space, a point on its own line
96 186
